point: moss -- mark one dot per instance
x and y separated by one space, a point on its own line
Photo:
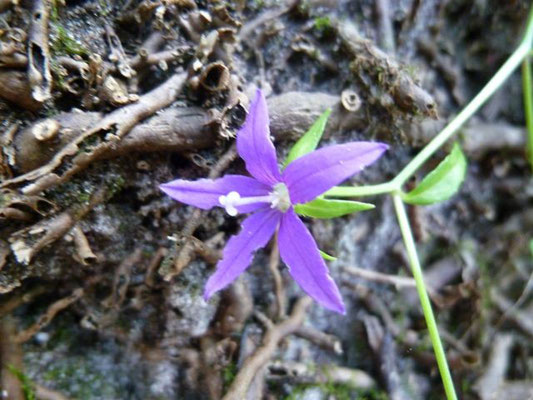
63 43
322 24
116 184
54 12
105 10
78 380
27 385
228 374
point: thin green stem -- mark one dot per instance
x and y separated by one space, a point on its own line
424 298
359 191
527 90
490 88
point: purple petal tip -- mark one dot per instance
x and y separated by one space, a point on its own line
340 309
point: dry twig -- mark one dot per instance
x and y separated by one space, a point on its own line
24 296
122 279
300 372
384 347
107 132
27 243
273 265
48 316
522 319
399 282
83 249
494 375
386 73
186 252
39 74
260 357
321 339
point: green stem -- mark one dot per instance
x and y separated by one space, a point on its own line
453 126
490 88
357 191
527 89
424 298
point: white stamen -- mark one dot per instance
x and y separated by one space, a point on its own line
278 198
229 202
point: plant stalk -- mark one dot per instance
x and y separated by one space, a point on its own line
424 298
527 89
356 191
512 63
455 124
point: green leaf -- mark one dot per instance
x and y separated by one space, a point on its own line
308 142
326 256
325 208
441 183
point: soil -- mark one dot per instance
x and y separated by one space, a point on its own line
101 274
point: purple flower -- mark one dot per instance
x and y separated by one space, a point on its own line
271 194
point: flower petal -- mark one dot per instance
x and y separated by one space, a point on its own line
256 231
254 144
313 174
299 251
205 193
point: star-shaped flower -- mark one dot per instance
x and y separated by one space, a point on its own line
271 195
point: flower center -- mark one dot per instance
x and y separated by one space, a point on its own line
278 198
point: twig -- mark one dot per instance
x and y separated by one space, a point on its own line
523 320
368 60
175 129
252 26
321 339
234 309
300 372
518 303
27 243
83 249
122 279
155 261
25 296
107 132
273 265
384 348
160 58
399 282
377 306
16 89
488 384
117 53
39 74
48 316
385 29
260 357
44 393
185 254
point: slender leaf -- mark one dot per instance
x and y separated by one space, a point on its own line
326 208
441 183
308 142
326 256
